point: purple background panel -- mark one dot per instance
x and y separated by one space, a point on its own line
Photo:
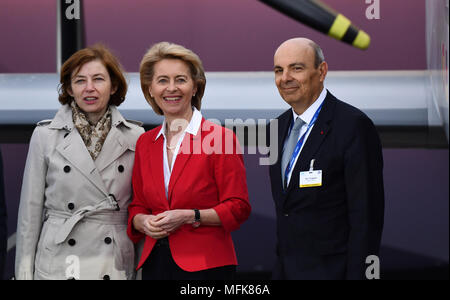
27 36
228 35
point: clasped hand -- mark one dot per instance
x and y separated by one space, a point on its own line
161 225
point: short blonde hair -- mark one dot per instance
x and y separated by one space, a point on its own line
166 50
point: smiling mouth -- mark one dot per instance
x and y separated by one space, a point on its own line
290 91
172 98
90 99
289 88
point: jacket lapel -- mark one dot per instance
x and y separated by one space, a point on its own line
74 150
116 144
283 127
180 162
316 137
156 157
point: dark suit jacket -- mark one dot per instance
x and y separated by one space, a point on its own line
3 234
327 232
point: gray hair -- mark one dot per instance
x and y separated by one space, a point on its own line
318 54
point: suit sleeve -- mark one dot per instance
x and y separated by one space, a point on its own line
137 205
229 172
29 221
365 194
3 231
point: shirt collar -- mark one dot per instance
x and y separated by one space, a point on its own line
308 114
192 128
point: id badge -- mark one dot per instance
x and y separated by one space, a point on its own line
310 178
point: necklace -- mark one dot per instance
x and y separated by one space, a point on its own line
167 144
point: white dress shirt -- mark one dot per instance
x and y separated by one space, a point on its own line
192 128
306 116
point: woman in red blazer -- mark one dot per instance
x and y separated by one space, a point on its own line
189 180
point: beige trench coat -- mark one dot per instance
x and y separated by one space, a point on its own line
73 211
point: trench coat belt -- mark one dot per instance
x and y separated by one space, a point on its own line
106 212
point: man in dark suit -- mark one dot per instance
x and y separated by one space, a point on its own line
2 221
327 182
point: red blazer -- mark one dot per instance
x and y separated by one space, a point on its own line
204 176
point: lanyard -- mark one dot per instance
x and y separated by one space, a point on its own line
300 143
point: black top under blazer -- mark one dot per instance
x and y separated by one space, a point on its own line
327 232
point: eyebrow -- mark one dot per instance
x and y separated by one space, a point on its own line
298 64
82 76
291 65
165 76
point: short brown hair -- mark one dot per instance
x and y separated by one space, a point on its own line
79 58
165 50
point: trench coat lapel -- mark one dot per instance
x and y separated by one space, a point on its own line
74 150
113 147
115 143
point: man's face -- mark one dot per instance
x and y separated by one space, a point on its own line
298 81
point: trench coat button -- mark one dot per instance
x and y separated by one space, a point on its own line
72 242
108 240
71 206
106 277
67 169
121 168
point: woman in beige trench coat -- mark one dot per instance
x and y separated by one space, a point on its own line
77 183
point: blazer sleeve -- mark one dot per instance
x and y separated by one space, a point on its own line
30 217
137 205
365 194
3 231
229 171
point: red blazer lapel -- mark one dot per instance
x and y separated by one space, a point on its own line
183 156
156 164
190 145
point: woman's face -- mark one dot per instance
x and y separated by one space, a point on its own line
91 88
172 87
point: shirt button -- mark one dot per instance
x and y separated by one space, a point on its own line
286 215
67 169
72 242
121 168
71 206
108 240
106 277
